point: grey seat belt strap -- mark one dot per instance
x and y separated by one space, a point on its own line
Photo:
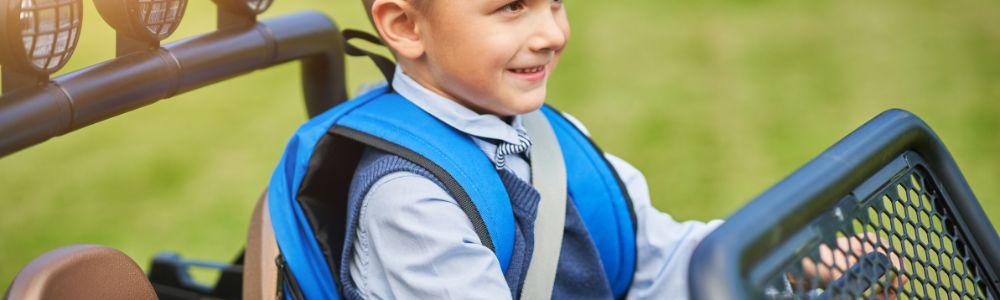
548 176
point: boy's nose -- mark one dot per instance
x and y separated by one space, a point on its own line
549 34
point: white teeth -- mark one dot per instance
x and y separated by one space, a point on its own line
529 70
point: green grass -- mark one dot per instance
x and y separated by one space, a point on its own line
713 100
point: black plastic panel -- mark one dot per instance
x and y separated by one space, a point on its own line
883 213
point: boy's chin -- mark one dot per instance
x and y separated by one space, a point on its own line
526 103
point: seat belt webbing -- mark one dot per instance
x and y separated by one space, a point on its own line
548 176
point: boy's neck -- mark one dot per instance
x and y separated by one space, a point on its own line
425 80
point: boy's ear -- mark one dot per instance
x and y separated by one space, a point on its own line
396 22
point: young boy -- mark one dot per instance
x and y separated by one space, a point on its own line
423 189
478 65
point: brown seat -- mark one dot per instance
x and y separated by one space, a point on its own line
81 272
260 273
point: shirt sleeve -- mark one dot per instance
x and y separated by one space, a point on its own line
664 246
415 242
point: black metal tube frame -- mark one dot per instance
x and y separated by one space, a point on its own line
75 100
720 264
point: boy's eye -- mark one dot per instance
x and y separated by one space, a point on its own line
513 7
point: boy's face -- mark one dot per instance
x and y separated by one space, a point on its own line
494 56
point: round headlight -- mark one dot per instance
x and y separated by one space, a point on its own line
39 36
251 7
258 6
145 20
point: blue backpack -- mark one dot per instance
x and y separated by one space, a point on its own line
309 188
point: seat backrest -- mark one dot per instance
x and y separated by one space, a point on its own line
81 272
893 188
260 273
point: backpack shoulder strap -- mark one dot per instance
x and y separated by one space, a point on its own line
395 125
601 198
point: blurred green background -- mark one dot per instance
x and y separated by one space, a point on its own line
713 100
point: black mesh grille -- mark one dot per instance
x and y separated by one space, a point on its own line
904 232
49 31
161 17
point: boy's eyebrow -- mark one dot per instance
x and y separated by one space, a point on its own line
498 2
484 4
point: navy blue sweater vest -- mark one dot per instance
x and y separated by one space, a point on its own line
579 275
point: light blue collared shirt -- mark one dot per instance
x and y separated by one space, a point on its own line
415 242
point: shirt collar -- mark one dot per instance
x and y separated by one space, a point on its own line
454 114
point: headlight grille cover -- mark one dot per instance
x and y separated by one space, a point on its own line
160 17
50 30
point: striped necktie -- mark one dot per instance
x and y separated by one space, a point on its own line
505 148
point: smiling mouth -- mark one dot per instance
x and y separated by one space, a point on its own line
531 70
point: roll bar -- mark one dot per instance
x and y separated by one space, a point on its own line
32 115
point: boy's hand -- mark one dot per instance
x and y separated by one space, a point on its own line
834 262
